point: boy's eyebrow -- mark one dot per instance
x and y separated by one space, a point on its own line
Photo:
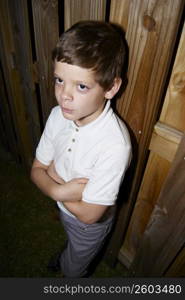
55 74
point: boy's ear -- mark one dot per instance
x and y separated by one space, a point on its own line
114 89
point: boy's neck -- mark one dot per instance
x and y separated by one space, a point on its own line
89 119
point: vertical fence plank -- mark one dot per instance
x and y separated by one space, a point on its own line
173 112
76 10
151 28
7 132
19 17
13 82
45 17
120 12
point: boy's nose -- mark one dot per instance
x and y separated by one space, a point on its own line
66 94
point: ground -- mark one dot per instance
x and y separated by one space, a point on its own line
30 230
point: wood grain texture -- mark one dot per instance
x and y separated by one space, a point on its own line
45 18
173 112
165 141
14 87
150 50
165 232
23 49
76 10
120 12
150 188
151 29
7 133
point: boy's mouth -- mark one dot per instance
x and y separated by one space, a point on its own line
66 110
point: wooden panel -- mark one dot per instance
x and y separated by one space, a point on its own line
173 112
120 12
165 232
150 188
165 141
76 10
7 134
151 39
19 17
45 16
13 81
151 29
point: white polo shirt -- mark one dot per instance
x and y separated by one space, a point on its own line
99 151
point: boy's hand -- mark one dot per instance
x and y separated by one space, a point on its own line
72 190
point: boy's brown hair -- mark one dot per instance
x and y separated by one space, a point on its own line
95 45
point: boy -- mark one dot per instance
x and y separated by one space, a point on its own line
85 148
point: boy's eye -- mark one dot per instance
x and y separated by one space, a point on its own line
82 87
58 80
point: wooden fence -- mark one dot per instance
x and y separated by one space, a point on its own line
165 140
29 31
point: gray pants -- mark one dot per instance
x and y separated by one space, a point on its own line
84 242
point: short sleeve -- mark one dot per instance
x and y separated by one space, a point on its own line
107 175
45 149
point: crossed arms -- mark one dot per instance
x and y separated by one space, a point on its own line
69 193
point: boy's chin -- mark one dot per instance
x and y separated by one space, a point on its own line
68 117
71 118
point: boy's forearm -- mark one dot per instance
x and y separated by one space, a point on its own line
85 212
68 194
45 183
58 192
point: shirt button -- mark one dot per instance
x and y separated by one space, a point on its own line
69 150
77 129
73 140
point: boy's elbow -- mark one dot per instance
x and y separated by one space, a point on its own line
32 174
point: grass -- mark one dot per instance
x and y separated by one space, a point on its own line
30 230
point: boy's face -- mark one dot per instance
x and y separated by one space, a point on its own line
80 97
